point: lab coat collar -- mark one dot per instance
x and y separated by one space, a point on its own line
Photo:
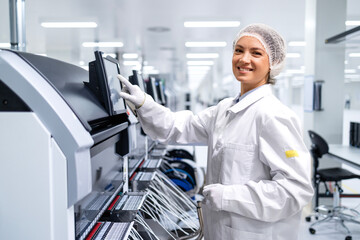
251 98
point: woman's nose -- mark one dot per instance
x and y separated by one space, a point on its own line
245 58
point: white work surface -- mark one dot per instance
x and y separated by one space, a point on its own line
346 154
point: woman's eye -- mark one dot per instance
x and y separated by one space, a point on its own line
257 54
238 50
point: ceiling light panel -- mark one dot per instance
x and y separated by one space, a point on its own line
352 76
200 63
295 71
204 68
131 63
205 44
148 68
152 71
293 55
69 24
103 44
349 70
352 23
297 43
354 54
202 55
130 55
5 45
207 24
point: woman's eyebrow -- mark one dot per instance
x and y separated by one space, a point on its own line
257 49
254 48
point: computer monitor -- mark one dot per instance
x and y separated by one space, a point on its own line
105 84
160 91
151 89
136 79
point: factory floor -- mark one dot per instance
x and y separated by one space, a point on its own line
330 230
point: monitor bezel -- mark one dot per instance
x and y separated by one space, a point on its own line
103 81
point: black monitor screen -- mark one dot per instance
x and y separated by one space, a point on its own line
160 91
137 79
151 89
112 70
104 83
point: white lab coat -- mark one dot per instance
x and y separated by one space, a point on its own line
252 148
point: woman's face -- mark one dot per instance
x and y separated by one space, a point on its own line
250 63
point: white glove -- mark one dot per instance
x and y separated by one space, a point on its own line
213 194
132 93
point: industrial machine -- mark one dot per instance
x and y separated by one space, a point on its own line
70 151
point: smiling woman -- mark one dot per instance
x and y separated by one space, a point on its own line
255 189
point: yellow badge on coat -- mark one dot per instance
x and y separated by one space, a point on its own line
291 153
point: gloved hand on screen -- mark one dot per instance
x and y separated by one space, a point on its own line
213 194
132 93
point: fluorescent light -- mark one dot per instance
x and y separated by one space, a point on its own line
350 71
352 23
212 24
297 43
205 44
295 71
153 71
293 55
197 75
103 44
81 63
358 67
198 72
69 24
130 63
354 54
352 76
148 68
283 74
200 68
202 55
130 55
5 45
200 63
346 62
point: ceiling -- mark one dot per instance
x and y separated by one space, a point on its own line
129 21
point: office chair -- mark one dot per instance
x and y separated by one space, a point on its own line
337 213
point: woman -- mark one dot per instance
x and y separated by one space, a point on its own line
258 170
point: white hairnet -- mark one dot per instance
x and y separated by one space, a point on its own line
273 43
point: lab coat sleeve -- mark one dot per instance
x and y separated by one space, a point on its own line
280 148
181 127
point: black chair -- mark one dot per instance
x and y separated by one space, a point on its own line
336 213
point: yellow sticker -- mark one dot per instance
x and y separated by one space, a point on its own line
291 153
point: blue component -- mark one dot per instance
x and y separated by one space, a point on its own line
183 184
180 170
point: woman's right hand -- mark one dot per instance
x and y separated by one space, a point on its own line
131 93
